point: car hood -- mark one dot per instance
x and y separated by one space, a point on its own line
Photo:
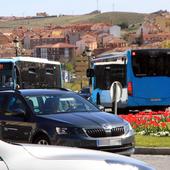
29 156
68 153
86 119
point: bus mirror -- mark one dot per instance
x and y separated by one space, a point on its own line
90 72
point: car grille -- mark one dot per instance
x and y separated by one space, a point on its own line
117 131
97 133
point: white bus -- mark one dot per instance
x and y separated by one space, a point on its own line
29 72
107 70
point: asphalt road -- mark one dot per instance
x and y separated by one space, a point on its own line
159 162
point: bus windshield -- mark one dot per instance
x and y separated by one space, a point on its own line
107 74
151 63
6 78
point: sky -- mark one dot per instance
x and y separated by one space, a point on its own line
69 7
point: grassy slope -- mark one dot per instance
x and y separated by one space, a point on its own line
109 17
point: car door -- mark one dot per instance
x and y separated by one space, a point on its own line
16 121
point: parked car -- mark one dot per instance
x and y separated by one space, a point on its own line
38 157
85 92
61 117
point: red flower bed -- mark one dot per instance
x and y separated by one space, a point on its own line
149 123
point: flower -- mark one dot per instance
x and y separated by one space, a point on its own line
150 123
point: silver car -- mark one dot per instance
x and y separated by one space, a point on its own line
40 157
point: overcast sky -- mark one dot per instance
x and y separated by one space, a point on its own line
55 7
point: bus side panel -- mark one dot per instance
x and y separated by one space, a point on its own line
147 91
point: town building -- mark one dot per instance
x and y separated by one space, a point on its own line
62 52
115 30
37 40
87 40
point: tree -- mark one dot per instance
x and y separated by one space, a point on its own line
124 25
69 67
165 44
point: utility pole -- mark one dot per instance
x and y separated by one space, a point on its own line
113 6
97 5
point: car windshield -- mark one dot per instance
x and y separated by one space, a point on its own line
59 103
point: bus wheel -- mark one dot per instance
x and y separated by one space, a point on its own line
98 99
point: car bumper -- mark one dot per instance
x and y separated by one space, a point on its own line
122 145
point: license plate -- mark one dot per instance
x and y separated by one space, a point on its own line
155 99
109 142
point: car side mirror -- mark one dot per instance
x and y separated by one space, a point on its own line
101 108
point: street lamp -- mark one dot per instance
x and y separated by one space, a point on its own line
88 53
16 45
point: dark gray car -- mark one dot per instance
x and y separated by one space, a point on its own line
61 117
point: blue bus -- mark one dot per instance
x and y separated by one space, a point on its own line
143 73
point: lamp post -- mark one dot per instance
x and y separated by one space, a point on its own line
88 53
16 45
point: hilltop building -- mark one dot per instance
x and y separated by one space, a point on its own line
115 30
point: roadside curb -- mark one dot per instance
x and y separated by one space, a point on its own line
152 151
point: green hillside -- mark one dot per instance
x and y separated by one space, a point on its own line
109 17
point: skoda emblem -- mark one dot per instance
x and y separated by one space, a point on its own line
107 128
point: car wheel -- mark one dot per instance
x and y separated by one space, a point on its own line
42 140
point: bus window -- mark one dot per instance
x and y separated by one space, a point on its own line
58 76
99 77
6 76
50 76
49 71
151 63
106 74
18 77
31 71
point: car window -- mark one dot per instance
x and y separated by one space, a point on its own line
60 103
13 104
35 103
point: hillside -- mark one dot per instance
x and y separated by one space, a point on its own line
108 17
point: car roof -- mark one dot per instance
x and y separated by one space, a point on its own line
27 92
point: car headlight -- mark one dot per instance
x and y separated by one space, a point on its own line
62 130
128 128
